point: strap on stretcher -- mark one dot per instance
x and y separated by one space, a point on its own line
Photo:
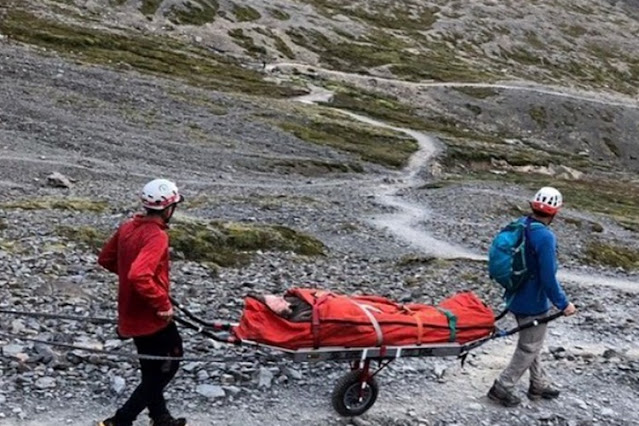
452 323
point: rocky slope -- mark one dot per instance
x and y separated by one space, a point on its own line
110 113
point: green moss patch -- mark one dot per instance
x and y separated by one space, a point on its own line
478 92
615 256
279 14
245 13
72 204
149 7
308 167
194 12
247 42
389 149
154 55
231 244
87 236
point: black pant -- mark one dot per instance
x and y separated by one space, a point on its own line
155 375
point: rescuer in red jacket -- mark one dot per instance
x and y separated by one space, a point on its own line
139 254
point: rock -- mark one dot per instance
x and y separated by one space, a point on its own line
265 378
17 326
232 390
118 384
58 180
608 412
14 351
45 383
211 391
190 367
610 353
292 373
202 375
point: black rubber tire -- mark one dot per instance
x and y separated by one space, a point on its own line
345 391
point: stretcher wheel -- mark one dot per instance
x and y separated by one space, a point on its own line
349 399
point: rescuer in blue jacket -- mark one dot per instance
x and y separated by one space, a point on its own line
532 301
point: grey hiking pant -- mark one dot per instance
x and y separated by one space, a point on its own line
527 356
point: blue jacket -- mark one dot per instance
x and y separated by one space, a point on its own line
535 296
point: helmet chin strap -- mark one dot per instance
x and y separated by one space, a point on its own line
167 214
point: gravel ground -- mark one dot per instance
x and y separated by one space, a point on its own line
93 126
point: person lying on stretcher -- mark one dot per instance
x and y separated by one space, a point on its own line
291 308
305 317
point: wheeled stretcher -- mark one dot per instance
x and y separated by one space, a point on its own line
357 391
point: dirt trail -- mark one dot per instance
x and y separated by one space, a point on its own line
576 94
404 222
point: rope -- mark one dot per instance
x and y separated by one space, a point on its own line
119 354
96 320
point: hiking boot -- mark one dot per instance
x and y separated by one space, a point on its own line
168 420
547 392
111 422
503 397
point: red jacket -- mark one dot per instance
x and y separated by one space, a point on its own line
139 253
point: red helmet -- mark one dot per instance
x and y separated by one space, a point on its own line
547 200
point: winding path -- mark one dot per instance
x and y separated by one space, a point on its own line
404 223
576 94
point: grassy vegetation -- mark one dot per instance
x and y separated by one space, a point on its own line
222 243
307 167
615 256
282 47
154 55
613 198
149 7
387 148
538 114
247 42
612 146
71 204
194 12
401 17
245 13
376 105
477 92
377 48
279 14
230 244
87 236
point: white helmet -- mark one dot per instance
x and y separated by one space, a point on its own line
160 194
547 200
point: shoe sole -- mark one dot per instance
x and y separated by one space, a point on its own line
502 402
540 397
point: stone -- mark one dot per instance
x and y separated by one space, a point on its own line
45 383
211 391
58 180
265 378
118 384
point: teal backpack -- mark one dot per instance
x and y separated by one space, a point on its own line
507 255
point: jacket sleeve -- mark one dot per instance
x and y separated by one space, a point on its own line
108 257
547 255
143 270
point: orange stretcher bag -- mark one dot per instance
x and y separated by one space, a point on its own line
366 321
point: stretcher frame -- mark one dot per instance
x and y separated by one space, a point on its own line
356 392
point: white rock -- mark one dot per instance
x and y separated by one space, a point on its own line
210 391
45 383
118 384
58 180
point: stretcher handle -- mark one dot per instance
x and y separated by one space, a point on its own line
504 333
208 333
217 326
534 323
